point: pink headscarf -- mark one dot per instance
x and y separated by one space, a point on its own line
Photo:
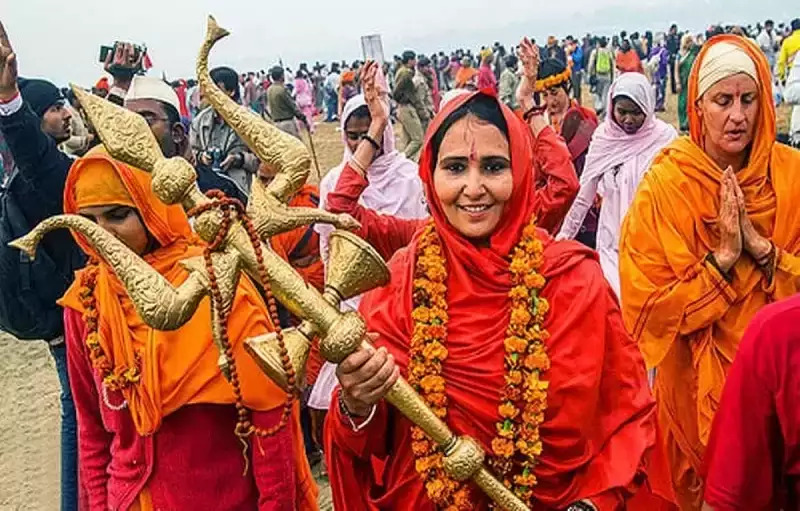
302 91
394 185
611 146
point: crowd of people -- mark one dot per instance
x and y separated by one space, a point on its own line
581 287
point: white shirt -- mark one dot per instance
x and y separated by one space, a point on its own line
766 42
791 94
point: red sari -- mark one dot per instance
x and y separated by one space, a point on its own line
599 424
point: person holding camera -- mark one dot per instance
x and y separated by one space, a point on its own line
215 144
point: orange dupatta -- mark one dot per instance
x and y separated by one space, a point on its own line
177 367
687 319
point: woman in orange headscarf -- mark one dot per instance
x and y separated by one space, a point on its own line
156 417
712 236
512 338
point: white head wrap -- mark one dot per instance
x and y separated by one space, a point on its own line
721 61
145 87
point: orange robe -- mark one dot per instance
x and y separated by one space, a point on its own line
687 317
176 368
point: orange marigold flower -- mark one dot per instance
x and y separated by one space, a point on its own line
519 293
514 393
434 350
504 432
525 479
437 399
520 316
421 314
514 377
534 281
420 448
418 434
462 498
516 344
417 370
508 410
436 489
438 313
437 273
424 464
503 447
431 383
529 231
437 332
518 265
537 361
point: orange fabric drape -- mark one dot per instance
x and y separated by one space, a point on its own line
177 367
629 61
687 319
465 75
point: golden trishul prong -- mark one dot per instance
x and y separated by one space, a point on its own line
355 267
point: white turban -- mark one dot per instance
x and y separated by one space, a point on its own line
145 87
721 61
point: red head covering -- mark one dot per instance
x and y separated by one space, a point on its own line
598 400
466 261
102 84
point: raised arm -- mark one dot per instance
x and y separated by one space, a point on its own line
37 158
386 233
553 165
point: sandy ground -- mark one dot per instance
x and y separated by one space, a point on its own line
29 406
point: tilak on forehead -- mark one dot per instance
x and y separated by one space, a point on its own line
471 137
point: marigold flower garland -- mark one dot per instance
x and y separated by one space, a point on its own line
115 377
523 399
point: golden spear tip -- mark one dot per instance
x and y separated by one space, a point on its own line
215 32
27 244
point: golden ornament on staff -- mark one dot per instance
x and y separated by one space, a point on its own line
354 266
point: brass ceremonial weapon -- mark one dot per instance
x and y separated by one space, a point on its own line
353 269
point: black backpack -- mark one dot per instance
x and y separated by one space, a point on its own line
29 288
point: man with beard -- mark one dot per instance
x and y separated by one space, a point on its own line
33 121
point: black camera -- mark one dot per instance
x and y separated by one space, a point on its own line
138 57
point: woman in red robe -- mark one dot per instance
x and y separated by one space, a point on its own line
512 338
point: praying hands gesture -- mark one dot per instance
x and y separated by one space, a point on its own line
730 229
8 68
753 243
736 231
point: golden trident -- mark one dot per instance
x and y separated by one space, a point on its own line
354 266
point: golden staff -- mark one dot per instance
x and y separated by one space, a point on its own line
354 268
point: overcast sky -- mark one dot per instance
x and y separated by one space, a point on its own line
60 40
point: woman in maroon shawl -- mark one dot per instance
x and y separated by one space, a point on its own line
575 123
